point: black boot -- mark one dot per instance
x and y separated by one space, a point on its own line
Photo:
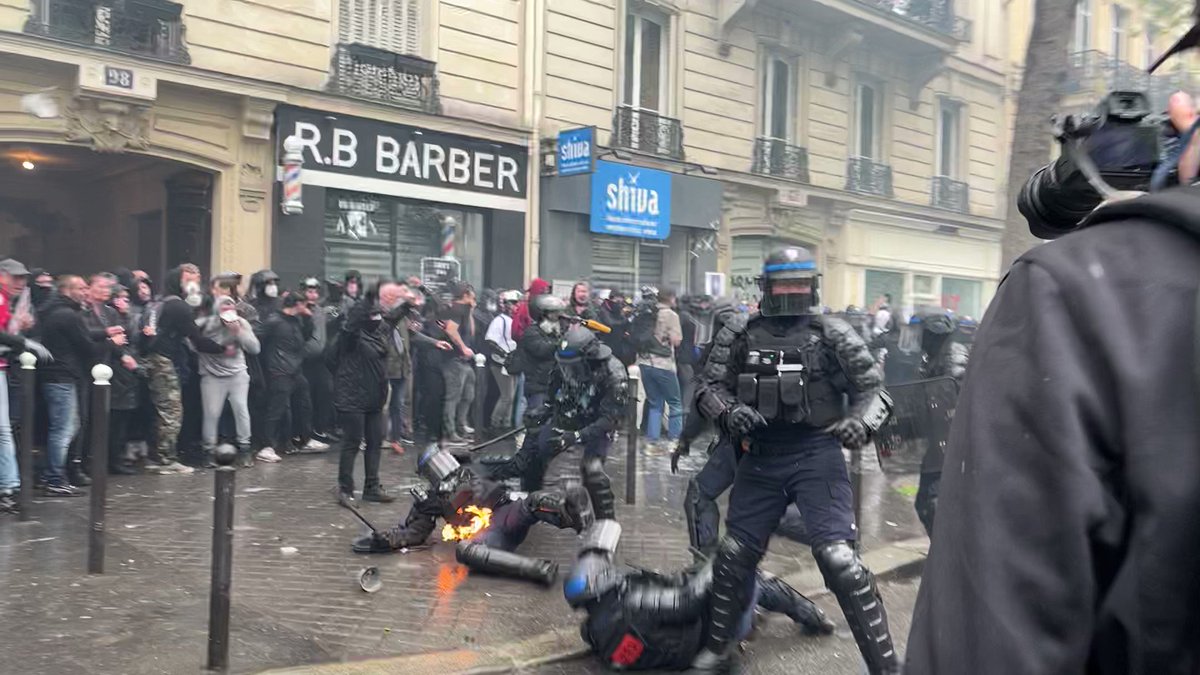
378 495
76 475
854 587
776 596
732 590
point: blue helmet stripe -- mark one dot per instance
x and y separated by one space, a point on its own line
782 267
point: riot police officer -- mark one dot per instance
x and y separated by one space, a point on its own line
791 387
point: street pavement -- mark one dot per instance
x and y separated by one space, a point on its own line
295 596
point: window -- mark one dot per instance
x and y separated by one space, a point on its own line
867 109
948 139
1119 18
393 25
778 97
645 72
962 296
1083 25
877 283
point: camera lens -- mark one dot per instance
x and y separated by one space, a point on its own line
1055 198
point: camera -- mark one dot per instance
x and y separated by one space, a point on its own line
1117 147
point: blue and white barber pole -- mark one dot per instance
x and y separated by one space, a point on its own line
293 162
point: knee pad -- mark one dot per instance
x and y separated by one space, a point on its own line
735 557
840 566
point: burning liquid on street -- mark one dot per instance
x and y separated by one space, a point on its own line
480 519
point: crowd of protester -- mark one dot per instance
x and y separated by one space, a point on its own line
361 366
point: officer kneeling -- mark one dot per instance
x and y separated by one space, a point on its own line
777 384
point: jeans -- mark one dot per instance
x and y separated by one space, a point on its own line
460 393
10 476
507 384
397 420
357 427
62 410
662 386
288 391
519 401
214 392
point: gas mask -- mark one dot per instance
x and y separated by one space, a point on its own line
192 296
271 290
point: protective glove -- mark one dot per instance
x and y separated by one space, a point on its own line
852 433
563 440
742 419
681 449
536 417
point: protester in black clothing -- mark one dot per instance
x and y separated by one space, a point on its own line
285 344
352 291
685 353
536 348
126 387
458 370
360 384
616 312
264 294
318 375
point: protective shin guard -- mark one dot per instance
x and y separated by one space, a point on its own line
482 558
732 590
599 488
854 587
703 518
777 596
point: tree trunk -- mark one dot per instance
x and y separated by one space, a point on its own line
1046 64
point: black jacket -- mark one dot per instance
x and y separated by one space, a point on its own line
74 346
176 326
285 344
125 383
1067 533
360 377
619 340
535 356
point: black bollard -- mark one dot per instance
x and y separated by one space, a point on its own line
101 400
28 401
222 559
631 441
481 389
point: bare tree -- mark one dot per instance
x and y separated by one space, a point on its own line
1046 64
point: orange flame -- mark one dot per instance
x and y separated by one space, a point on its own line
480 519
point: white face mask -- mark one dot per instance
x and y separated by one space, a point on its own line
229 315
271 291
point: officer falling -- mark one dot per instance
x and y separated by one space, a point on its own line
791 387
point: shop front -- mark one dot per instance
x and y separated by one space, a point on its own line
390 199
624 226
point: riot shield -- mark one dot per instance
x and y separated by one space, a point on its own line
920 422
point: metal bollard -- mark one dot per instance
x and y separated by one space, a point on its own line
101 401
222 559
631 442
481 389
28 399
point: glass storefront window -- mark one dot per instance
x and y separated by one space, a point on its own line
880 282
387 237
962 296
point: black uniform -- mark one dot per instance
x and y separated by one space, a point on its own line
1068 539
777 384
586 400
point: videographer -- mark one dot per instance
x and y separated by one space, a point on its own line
1068 536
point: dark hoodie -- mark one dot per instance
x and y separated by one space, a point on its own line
263 305
176 324
63 331
360 378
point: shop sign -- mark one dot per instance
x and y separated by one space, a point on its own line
576 150
374 149
439 274
631 201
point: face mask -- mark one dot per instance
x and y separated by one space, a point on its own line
549 326
194 299
271 291
492 307
229 316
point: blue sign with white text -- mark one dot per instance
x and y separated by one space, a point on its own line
631 201
575 148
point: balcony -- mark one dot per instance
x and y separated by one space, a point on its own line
950 194
774 157
934 15
1096 73
379 75
866 176
912 27
152 28
647 131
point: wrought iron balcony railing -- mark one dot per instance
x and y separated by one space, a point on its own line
144 27
1096 72
866 176
936 15
950 194
647 131
775 157
377 74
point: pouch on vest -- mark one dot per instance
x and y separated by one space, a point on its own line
768 396
791 389
748 388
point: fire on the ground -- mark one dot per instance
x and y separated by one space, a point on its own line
477 519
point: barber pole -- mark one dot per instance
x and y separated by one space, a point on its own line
293 161
447 237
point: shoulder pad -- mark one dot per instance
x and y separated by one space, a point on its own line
734 326
834 324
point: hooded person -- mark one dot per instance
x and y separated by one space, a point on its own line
225 377
522 318
171 327
352 291
264 293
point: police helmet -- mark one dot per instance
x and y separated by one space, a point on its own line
547 305
579 346
790 283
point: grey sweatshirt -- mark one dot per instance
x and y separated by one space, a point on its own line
224 365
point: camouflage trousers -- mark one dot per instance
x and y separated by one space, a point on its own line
167 398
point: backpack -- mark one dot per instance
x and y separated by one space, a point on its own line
641 332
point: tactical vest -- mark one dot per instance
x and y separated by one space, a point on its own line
791 378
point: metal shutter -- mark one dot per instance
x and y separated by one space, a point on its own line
417 235
613 263
650 264
394 25
358 234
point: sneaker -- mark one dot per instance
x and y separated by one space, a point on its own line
173 468
63 490
327 439
407 439
268 455
8 503
465 430
377 495
397 447
345 499
290 449
245 460
316 446
454 439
